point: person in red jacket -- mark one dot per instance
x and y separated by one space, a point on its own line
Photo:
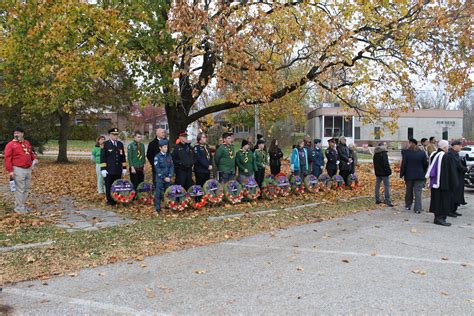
19 161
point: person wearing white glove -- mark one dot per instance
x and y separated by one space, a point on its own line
112 162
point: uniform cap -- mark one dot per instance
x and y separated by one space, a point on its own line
456 142
162 142
317 141
18 129
245 142
260 141
113 130
331 140
227 134
183 134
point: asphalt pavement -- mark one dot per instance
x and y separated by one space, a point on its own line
386 261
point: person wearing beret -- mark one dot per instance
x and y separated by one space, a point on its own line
332 158
183 160
163 164
113 164
461 169
20 159
261 161
203 161
245 161
225 158
154 148
345 159
317 158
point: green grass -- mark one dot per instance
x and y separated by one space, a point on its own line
72 145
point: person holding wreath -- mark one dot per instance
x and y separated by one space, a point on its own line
245 161
261 160
164 170
136 159
225 158
113 164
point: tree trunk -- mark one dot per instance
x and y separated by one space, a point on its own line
177 122
64 126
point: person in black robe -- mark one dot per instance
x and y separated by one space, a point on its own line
443 183
461 170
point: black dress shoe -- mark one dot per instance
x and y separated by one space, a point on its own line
442 222
417 212
452 215
457 214
390 204
378 202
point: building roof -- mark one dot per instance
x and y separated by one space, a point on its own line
425 113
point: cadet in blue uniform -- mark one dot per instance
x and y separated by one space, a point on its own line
183 160
113 164
317 158
164 169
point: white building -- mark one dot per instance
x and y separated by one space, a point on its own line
330 120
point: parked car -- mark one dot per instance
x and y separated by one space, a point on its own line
467 152
469 178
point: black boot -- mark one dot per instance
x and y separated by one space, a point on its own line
457 214
452 214
441 221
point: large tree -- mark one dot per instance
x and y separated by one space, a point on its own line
56 54
364 53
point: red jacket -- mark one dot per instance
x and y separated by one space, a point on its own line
18 154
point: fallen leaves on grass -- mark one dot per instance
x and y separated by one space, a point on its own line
300 269
419 271
200 271
149 293
413 230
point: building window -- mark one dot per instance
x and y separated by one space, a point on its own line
337 126
445 133
357 132
410 132
163 126
377 132
328 126
348 126
241 129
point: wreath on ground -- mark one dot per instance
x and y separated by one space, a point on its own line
213 190
337 182
233 192
197 197
122 191
177 198
283 185
269 188
311 183
296 183
146 193
353 181
324 182
250 188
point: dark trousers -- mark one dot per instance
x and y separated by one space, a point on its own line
154 176
108 184
316 171
225 176
345 175
259 176
184 178
414 188
161 186
202 177
136 178
332 172
275 169
386 184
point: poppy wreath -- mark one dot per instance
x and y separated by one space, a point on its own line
122 191
233 192
353 181
250 188
269 188
324 182
146 193
177 198
214 192
337 182
296 183
197 196
283 185
311 183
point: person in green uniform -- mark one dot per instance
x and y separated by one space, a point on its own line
245 161
261 160
136 159
225 158
95 156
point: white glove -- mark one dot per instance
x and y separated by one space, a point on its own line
210 167
322 167
104 173
124 172
337 162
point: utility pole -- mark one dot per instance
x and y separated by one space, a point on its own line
256 121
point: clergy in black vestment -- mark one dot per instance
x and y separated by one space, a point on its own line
461 170
443 183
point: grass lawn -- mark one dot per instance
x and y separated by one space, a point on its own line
72 145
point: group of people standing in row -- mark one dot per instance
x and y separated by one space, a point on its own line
437 162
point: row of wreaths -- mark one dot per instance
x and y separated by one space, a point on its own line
213 192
